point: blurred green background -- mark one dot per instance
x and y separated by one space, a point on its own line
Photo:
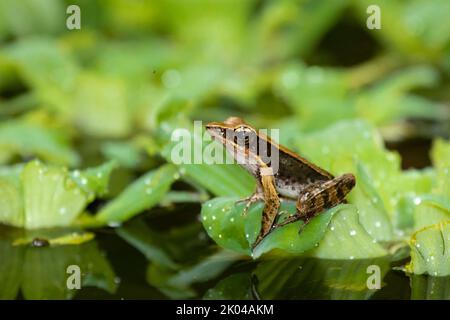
102 101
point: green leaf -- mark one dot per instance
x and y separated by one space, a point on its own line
430 251
227 226
430 209
41 196
372 213
11 201
225 223
347 239
142 194
414 184
29 139
290 240
51 197
94 181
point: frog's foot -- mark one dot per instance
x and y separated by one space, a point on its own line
250 200
305 222
290 219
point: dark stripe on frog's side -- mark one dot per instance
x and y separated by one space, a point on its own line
292 167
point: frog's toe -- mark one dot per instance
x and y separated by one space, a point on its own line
249 201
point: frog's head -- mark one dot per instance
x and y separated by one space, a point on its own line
233 132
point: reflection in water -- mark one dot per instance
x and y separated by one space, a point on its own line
221 275
304 278
182 262
178 259
430 288
41 272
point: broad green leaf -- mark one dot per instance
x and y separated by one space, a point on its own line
51 197
36 195
415 184
372 213
11 202
142 194
347 239
430 252
226 224
289 239
430 210
94 181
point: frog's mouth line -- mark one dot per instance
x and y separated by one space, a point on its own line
216 133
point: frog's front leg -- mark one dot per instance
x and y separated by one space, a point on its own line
272 204
258 195
320 196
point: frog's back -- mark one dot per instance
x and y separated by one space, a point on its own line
293 174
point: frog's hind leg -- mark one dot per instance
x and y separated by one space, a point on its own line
320 196
270 211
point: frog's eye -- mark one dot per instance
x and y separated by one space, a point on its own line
242 137
242 129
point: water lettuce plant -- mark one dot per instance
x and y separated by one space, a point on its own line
87 120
